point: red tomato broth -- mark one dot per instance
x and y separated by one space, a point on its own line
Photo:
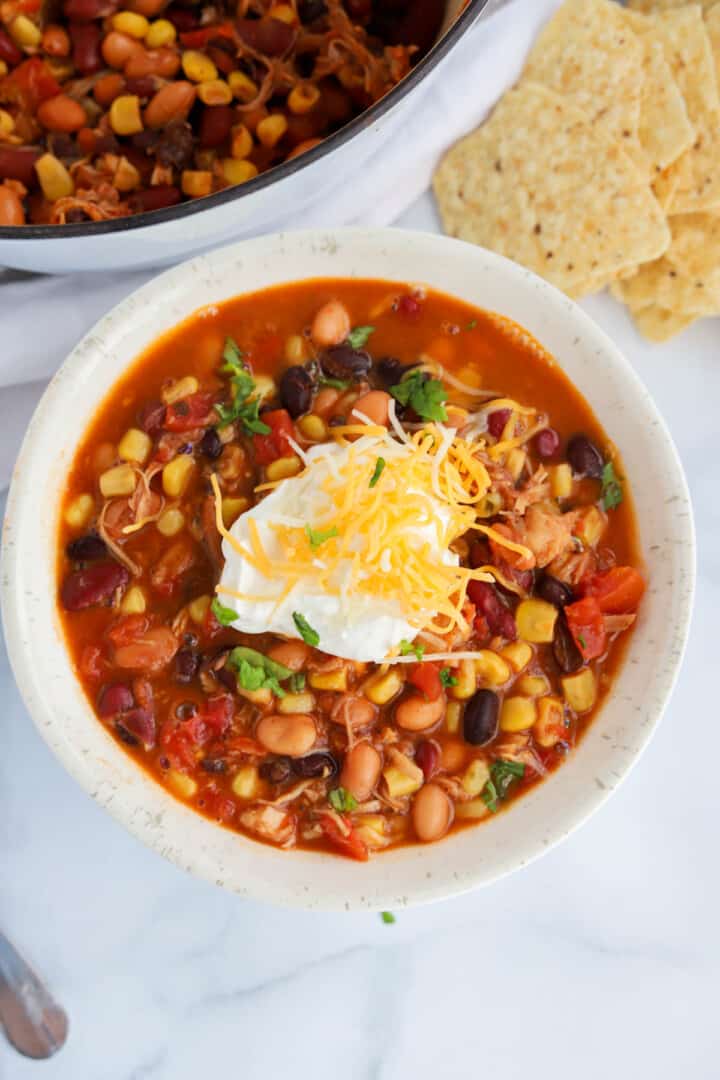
509 363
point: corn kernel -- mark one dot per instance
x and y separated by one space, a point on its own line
383 688
283 467
198 609
7 124
241 142
232 509
265 387
303 98
118 481
260 697
475 776
533 685
284 12
181 388
3 69
453 712
135 445
518 654
491 669
517 714
313 428
55 181
171 522
476 808
214 92
296 349
580 690
590 526
133 602
125 118
160 32
238 172
24 32
271 130
130 23
466 684
79 511
401 782
535 620
296 703
549 728
182 785
198 67
242 86
329 680
196 182
515 463
561 481
371 830
246 782
176 475
126 176
489 505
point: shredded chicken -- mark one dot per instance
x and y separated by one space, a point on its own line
272 824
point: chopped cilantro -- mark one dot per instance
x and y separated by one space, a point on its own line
426 396
502 775
316 537
471 325
490 797
341 800
446 678
297 682
407 647
309 636
233 357
583 642
387 917
244 406
258 672
224 615
250 677
359 336
379 466
336 384
612 492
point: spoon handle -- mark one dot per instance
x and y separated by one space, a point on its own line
34 1023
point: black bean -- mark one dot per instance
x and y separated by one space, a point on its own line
337 421
185 710
480 719
311 10
584 456
344 362
86 548
276 771
296 390
187 662
126 736
567 655
320 763
213 765
211 444
391 370
554 591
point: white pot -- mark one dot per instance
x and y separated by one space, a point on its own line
474 856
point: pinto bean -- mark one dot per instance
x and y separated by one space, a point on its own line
361 770
12 211
93 585
18 163
373 405
117 49
171 102
331 324
415 713
150 652
55 41
432 813
292 654
292 735
61 113
143 62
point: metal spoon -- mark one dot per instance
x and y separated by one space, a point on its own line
34 1023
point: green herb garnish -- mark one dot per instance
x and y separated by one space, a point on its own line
583 642
471 325
359 335
612 492
446 678
233 357
490 797
426 396
336 384
316 537
224 615
407 647
305 630
297 682
245 405
379 466
387 917
258 672
502 776
341 800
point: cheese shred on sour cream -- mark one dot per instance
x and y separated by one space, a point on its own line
360 542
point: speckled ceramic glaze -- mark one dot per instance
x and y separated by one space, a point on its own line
474 856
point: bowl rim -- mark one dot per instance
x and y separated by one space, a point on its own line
18 573
434 56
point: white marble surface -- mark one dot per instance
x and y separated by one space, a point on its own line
600 960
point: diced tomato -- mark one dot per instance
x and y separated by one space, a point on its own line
127 629
618 591
218 805
426 679
191 412
350 844
35 81
178 746
172 566
275 444
197 39
587 626
217 714
91 662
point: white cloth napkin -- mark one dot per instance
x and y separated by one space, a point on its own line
42 318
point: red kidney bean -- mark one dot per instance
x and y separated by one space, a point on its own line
488 603
18 163
554 591
152 417
155 198
87 10
222 53
93 585
187 662
9 51
144 87
267 35
215 125
496 422
115 699
427 757
480 719
296 390
87 548
584 456
480 553
547 443
140 723
183 19
86 39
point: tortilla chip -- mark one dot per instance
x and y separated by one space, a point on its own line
541 184
665 132
588 54
649 6
659 284
657 324
695 246
712 25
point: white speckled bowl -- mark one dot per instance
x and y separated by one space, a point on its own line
410 875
